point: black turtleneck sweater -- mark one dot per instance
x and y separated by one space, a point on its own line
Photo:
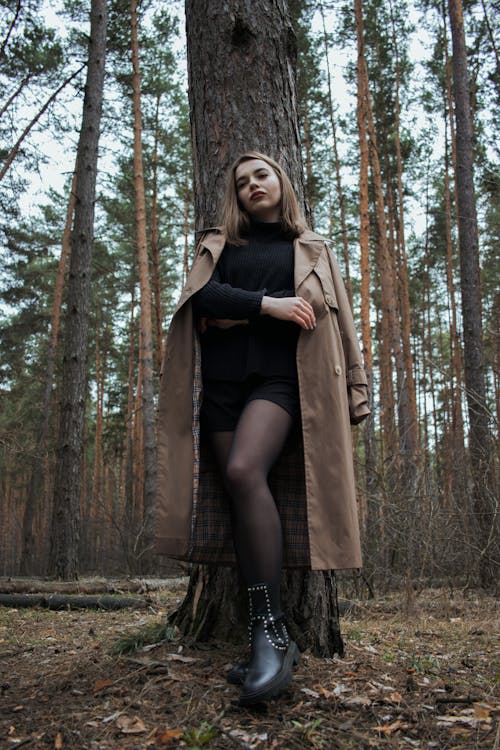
243 275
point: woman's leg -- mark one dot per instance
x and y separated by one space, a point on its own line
245 458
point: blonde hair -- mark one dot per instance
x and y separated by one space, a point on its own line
236 220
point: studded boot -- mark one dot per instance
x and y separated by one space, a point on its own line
272 653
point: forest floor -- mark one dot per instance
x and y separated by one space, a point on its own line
429 681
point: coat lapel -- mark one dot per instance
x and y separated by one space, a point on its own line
307 249
214 242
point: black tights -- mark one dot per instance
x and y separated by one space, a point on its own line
245 458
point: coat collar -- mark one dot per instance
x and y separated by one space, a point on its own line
307 249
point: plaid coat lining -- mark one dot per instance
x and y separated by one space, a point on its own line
211 533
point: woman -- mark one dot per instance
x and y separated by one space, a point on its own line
264 329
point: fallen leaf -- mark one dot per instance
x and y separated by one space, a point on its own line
390 728
130 726
170 734
101 684
481 710
58 742
396 697
12 730
357 700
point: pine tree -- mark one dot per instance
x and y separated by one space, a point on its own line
68 482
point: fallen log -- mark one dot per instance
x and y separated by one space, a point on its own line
88 586
62 601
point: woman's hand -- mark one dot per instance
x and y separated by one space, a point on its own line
294 309
223 323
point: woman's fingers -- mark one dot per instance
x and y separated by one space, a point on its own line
304 313
295 309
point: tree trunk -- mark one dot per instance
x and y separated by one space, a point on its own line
480 443
68 481
148 413
155 253
38 463
372 535
340 192
241 60
241 66
404 293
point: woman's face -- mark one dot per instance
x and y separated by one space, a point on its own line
259 190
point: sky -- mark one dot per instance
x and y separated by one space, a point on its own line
60 153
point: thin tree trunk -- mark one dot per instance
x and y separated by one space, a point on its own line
480 444
11 28
338 179
96 514
366 338
68 482
15 148
308 165
388 292
155 254
404 293
38 463
127 491
15 93
148 414
491 35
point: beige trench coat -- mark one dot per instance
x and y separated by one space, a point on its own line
192 516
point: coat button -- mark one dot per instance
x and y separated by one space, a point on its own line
329 299
338 369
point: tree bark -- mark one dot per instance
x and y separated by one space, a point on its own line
480 443
241 64
68 481
148 413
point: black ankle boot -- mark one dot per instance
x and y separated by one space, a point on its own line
272 653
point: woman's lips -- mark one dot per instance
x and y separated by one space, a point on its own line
256 195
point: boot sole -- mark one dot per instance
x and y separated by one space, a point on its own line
238 677
278 683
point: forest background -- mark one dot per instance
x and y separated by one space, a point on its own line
428 504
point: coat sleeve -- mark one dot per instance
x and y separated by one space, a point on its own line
357 383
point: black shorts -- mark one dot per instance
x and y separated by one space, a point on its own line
224 400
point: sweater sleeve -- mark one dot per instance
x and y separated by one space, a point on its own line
219 300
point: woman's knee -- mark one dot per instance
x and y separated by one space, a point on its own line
242 475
